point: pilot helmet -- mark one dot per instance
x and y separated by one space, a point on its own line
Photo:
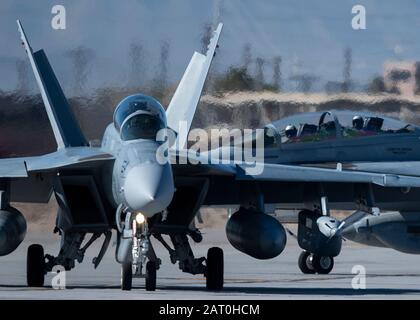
290 131
357 122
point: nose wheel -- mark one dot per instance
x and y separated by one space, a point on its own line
151 276
126 276
214 271
322 265
310 263
305 263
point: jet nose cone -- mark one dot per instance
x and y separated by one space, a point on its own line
149 188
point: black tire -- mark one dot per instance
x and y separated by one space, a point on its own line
35 266
323 265
304 262
126 276
151 276
214 272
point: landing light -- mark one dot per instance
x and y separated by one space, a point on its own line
140 218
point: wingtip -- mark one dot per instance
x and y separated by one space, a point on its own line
24 39
20 28
216 34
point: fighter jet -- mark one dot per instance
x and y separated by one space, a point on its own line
315 162
118 186
307 166
382 152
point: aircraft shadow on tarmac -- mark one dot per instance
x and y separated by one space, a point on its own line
246 290
306 291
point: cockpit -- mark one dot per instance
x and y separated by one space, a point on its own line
321 126
139 117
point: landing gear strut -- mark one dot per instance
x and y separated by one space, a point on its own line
311 263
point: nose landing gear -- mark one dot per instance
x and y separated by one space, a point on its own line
316 236
143 262
310 263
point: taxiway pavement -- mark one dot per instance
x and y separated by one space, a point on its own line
389 275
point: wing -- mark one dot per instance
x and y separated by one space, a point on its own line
182 107
408 168
66 130
278 172
203 166
31 179
68 158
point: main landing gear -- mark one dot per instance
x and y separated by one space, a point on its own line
39 264
35 266
213 267
214 270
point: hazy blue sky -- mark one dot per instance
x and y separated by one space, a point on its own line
309 35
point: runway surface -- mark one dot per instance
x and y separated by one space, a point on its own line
389 275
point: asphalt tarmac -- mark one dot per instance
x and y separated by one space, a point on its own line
389 275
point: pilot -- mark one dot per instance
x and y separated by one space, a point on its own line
290 131
357 122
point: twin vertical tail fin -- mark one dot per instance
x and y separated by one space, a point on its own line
66 130
182 107
65 127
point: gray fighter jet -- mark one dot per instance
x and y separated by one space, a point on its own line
345 161
308 166
120 185
314 162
